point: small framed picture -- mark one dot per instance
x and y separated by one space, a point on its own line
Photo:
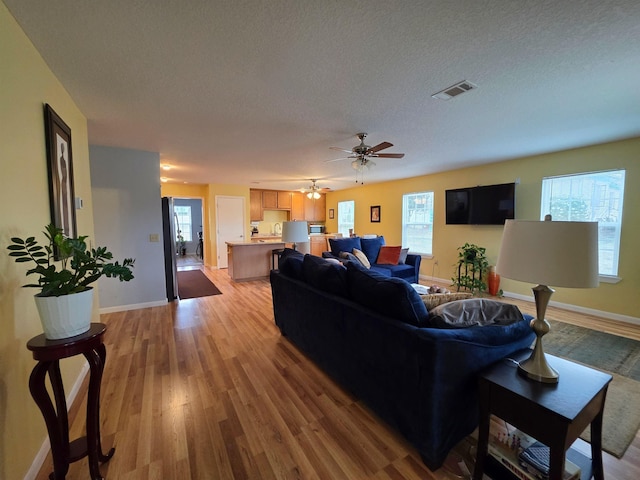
375 214
331 213
60 168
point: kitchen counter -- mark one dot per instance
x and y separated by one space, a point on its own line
251 260
266 238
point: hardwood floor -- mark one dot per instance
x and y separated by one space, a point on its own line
208 389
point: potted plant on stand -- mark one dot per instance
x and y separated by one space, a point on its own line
471 268
65 299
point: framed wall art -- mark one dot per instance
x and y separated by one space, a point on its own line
60 168
375 214
331 213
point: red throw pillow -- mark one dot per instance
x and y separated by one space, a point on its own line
388 255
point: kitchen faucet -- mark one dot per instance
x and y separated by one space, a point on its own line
277 229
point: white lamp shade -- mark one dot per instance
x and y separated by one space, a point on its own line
559 254
295 232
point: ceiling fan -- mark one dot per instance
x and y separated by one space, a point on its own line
362 154
314 190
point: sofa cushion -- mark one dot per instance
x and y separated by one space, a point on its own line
399 271
346 244
362 258
388 296
389 255
324 275
371 247
290 263
475 311
403 255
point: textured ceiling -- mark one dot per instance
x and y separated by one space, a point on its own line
255 92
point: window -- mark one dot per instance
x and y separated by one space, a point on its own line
417 222
589 197
183 221
346 211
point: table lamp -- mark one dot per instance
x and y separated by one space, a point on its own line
295 232
562 254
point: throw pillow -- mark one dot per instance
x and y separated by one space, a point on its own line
475 311
432 300
403 256
362 258
388 255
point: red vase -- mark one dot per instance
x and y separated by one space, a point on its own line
494 282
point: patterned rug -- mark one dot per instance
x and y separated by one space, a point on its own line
616 355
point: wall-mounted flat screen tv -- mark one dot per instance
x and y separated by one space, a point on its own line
482 205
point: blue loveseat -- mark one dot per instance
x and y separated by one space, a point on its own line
409 269
373 335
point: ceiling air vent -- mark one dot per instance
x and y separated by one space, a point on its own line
454 90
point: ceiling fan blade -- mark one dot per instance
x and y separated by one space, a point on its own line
389 155
380 146
340 149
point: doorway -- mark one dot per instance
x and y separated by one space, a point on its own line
230 222
189 225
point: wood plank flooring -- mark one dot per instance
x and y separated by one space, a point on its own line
208 389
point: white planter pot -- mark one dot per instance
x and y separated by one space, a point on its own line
65 316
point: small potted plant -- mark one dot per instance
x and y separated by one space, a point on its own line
65 298
471 268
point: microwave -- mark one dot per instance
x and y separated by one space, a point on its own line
316 229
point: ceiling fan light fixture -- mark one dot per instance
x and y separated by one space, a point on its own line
313 195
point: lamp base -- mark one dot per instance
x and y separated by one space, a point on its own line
536 368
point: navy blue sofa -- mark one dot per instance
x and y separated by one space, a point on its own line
371 334
409 269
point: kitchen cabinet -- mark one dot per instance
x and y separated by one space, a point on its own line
319 243
314 208
255 204
297 206
269 199
284 200
276 200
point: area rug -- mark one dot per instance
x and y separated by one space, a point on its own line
194 284
616 355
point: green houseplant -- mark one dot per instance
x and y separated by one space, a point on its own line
471 269
68 281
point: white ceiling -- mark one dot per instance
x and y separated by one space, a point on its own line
255 92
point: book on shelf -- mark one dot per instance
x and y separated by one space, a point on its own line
525 457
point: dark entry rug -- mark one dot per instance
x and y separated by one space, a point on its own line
194 284
616 355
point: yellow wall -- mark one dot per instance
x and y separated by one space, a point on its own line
621 298
27 83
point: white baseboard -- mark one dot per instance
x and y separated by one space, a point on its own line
41 456
565 306
134 306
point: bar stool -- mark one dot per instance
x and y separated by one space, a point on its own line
276 253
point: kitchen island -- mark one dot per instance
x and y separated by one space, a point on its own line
251 260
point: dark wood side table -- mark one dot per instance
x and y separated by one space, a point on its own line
48 353
554 414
